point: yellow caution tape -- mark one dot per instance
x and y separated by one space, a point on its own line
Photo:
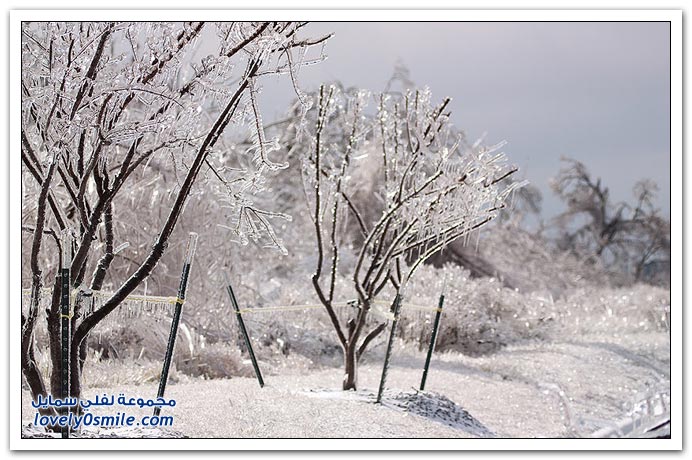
102 294
340 305
143 298
281 308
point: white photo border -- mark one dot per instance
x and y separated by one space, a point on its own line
345 15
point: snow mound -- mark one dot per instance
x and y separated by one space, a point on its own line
440 409
433 406
30 430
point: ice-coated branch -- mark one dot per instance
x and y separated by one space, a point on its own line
260 140
335 207
32 164
370 337
108 255
323 103
93 68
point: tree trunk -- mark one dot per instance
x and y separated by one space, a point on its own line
75 373
30 369
31 372
350 367
33 378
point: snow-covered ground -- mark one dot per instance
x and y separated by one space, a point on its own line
539 389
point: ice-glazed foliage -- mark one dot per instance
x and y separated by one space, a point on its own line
93 90
432 187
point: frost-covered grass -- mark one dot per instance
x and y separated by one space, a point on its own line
533 389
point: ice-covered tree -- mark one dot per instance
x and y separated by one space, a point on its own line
625 235
104 106
425 188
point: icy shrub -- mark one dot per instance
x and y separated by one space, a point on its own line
101 372
479 315
638 308
295 335
141 338
216 361
111 373
146 339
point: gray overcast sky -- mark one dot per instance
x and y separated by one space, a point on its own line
597 92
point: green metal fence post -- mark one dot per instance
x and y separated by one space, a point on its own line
388 353
65 318
189 256
433 340
243 330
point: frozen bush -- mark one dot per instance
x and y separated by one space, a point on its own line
216 361
638 308
479 315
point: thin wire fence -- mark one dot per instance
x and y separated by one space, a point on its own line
263 321
138 305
